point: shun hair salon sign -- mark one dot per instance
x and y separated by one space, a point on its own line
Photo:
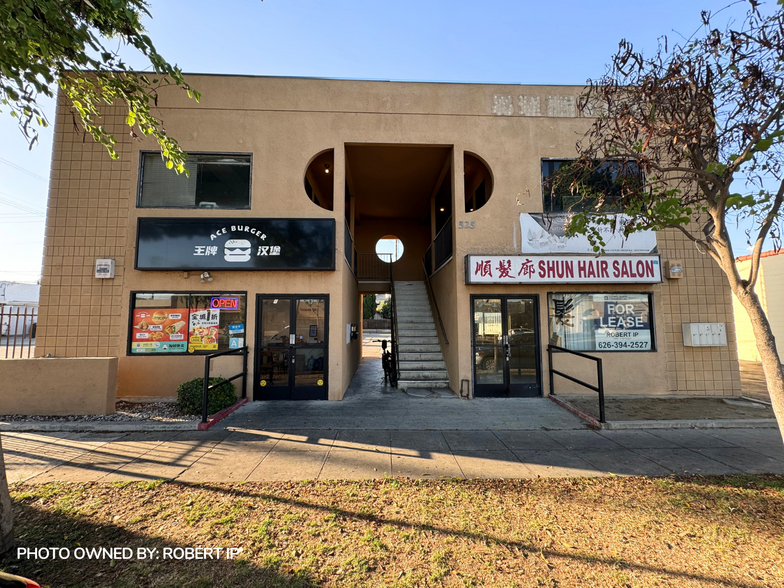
563 269
235 244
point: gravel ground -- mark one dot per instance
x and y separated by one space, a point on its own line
126 412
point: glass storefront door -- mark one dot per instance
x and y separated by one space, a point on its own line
291 348
506 346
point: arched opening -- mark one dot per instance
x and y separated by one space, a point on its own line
389 249
319 179
478 181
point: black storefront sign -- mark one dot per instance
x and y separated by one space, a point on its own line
249 244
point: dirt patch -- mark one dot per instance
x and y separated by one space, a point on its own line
665 409
620 532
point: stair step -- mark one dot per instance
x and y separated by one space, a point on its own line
411 366
418 326
418 348
406 384
413 356
417 340
430 331
411 375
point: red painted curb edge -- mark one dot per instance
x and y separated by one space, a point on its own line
222 414
592 421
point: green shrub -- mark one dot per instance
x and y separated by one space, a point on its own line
189 395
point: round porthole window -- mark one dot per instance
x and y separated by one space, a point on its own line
389 249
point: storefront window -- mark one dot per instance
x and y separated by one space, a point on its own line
184 323
601 322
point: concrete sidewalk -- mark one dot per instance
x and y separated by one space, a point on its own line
257 455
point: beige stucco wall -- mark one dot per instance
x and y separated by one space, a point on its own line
769 282
284 122
58 386
445 291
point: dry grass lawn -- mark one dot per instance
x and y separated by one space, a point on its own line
620 532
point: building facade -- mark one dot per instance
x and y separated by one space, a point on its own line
769 282
271 240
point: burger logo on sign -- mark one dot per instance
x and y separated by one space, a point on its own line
237 250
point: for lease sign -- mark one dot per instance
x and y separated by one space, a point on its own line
563 269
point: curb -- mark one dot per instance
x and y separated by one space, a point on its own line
693 424
221 414
96 427
592 421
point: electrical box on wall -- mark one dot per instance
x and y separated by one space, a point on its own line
704 335
104 268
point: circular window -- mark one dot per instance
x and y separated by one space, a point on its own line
389 249
478 182
319 183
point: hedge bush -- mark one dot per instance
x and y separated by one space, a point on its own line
189 395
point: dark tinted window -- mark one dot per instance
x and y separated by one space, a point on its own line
214 181
567 188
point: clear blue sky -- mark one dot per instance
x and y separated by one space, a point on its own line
556 42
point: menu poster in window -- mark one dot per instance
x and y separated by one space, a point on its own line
159 330
203 334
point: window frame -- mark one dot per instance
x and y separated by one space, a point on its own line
132 307
140 180
651 311
545 209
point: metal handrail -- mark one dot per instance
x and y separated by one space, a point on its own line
435 303
243 374
599 375
394 352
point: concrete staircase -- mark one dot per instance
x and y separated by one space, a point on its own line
421 361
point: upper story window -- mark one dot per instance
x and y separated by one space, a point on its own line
566 188
215 181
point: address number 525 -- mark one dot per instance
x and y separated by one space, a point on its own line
466 225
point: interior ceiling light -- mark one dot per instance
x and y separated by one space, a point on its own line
326 168
441 209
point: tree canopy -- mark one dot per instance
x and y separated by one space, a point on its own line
703 120
65 43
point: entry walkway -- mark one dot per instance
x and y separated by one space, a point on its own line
260 455
370 404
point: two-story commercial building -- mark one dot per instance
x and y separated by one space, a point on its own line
271 239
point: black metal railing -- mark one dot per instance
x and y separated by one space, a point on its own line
433 296
349 250
599 375
393 351
428 261
243 374
371 267
18 325
442 245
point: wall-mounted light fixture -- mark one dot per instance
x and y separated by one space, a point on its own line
326 168
675 269
206 277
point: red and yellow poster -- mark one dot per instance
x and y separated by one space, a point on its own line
159 330
203 334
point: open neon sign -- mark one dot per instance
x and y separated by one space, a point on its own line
225 303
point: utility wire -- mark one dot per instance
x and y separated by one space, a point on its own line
22 207
21 169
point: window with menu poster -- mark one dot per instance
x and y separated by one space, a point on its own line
186 322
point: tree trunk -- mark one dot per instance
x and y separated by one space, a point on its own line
6 516
766 345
